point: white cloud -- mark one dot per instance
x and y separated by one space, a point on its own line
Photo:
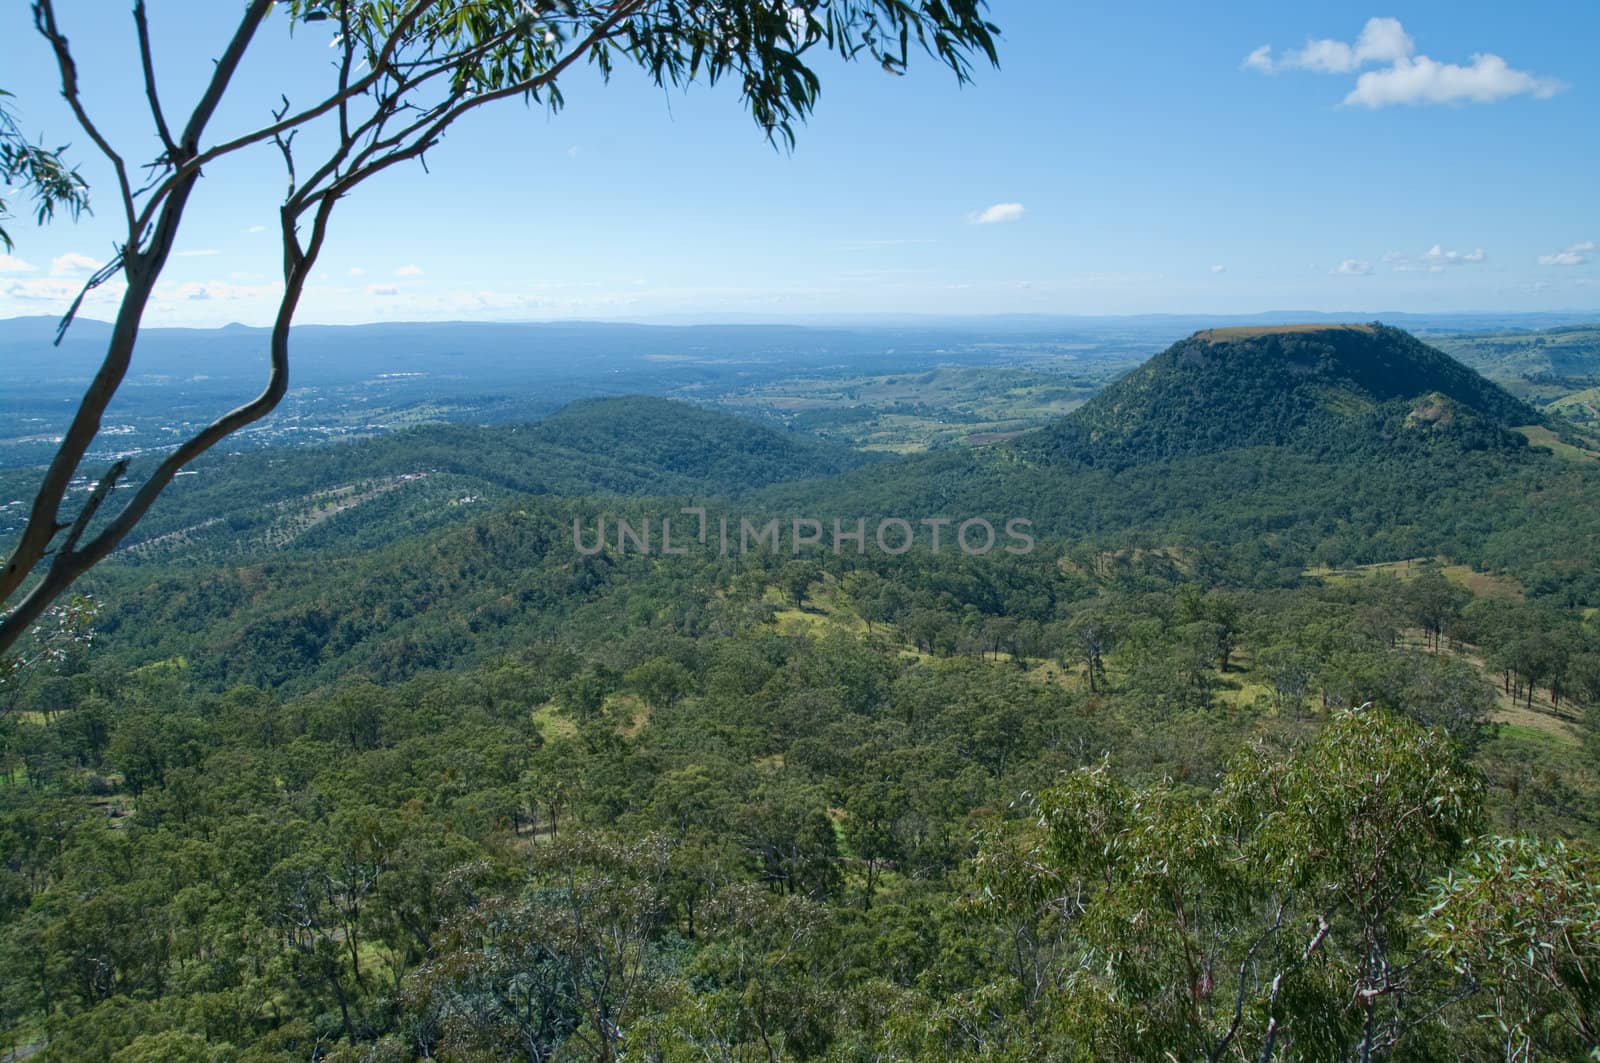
1219 268
1404 77
255 229
382 289
58 291
409 271
1438 256
215 290
203 252
357 271
8 264
1382 40
1422 80
1260 59
1434 260
41 290
1353 267
72 262
1576 255
572 152
1000 212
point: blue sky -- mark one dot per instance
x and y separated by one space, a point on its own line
1126 158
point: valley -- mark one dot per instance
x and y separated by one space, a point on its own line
833 531
445 747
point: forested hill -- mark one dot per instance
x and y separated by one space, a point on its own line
625 445
355 496
1274 448
679 448
1304 385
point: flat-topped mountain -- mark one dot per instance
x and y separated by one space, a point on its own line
1225 388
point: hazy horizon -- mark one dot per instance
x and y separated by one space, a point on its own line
888 318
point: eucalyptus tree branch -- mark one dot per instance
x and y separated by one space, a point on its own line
425 132
97 278
39 169
227 66
96 498
194 162
44 19
147 61
1221 1047
346 59
484 51
142 266
70 563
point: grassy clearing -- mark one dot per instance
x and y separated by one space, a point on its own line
1557 723
1534 780
1242 691
1582 406
629 713
1408 568
1539 720
1484 584
552 723
825 611
1540 436
1481 584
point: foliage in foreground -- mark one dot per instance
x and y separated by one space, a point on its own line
653 818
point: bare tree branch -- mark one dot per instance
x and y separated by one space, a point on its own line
44 18
147 61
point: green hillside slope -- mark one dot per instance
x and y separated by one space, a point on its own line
1309 386
354 497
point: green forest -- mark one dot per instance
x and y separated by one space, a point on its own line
1284 741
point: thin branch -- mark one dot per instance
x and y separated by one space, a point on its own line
1244 966
97 496
198 159
99 277
44 20
1270 1043
286 149
388 106
147 60
297 270
226 67
345 62
426 132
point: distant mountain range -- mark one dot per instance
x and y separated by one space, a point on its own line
362 380
489 354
